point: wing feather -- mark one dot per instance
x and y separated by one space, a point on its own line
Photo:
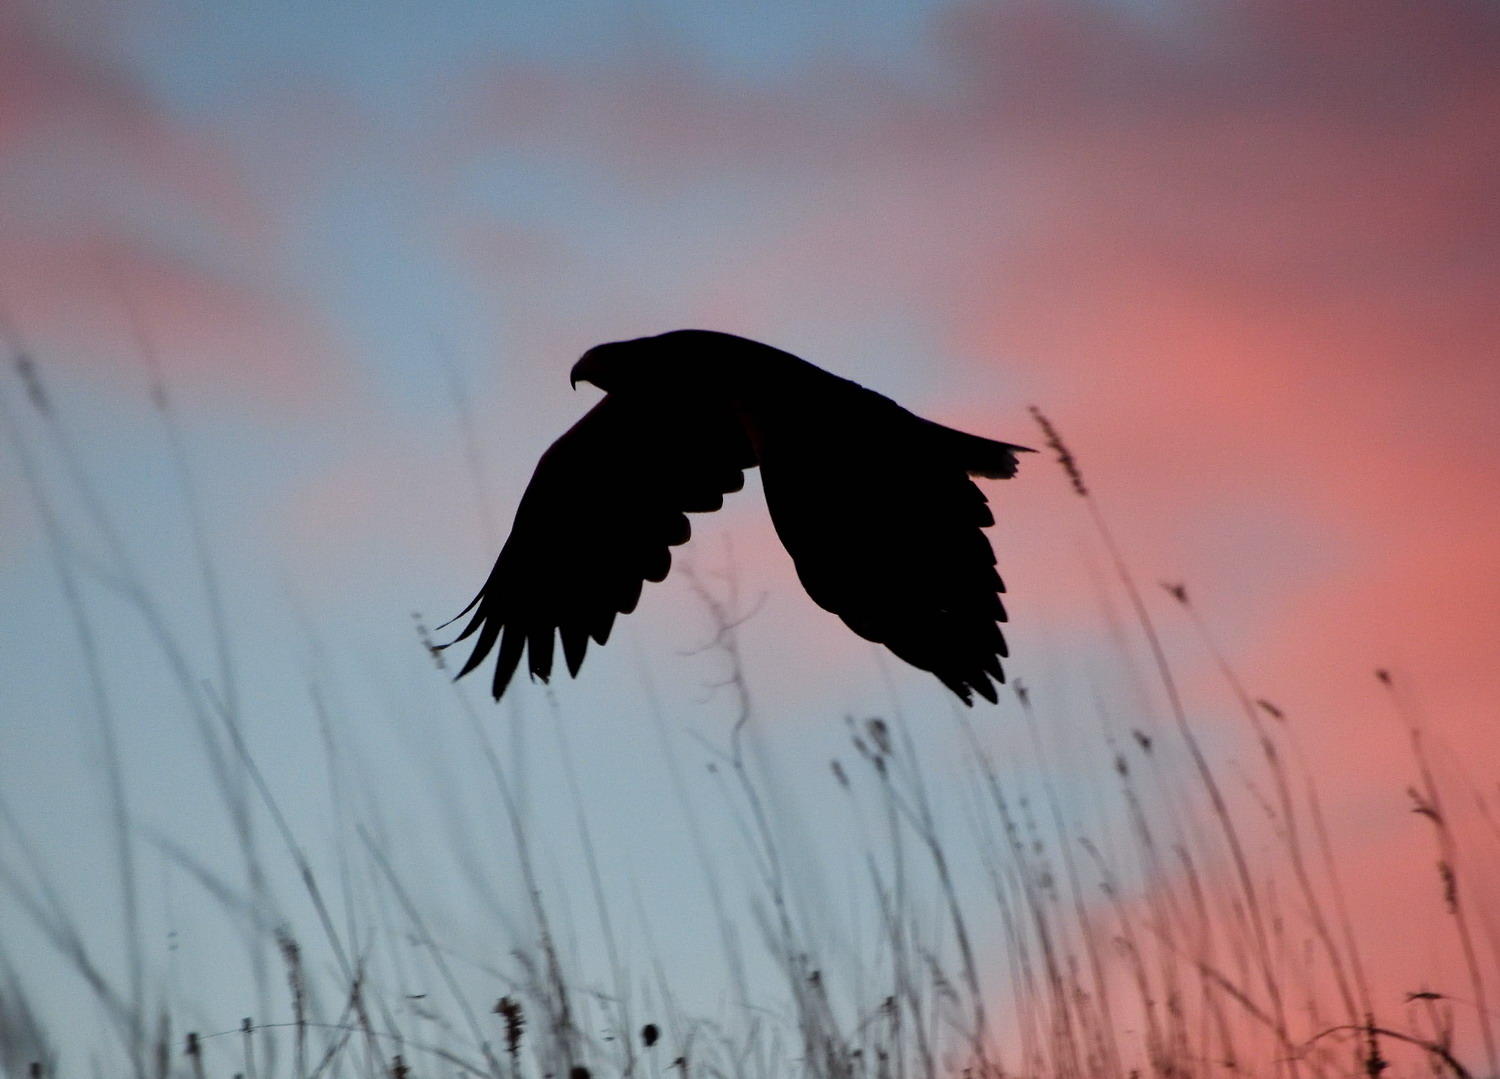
602 511
876 507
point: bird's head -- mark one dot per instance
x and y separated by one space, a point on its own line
667 362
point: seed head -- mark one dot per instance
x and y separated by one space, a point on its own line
1064 455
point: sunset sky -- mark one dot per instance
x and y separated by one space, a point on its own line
1246 256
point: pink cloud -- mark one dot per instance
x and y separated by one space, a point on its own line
1257 272
71 296
1248 258
111 201
87 125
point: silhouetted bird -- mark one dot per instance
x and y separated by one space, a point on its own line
873 503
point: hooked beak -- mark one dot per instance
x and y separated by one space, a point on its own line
584 370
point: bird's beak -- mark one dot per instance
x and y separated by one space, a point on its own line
583 370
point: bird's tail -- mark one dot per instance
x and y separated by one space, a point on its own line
982 456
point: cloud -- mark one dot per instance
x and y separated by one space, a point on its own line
75 297
77 128
1254 267
1245 254
112 203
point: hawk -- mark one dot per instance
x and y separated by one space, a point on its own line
874 504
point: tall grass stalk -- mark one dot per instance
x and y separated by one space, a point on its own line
1429 802
103 708
994 928
1252 899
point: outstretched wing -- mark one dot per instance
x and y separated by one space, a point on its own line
877 510
604 506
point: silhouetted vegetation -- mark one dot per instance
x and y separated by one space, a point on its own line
1173 946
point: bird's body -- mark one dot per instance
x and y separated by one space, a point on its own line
874 504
